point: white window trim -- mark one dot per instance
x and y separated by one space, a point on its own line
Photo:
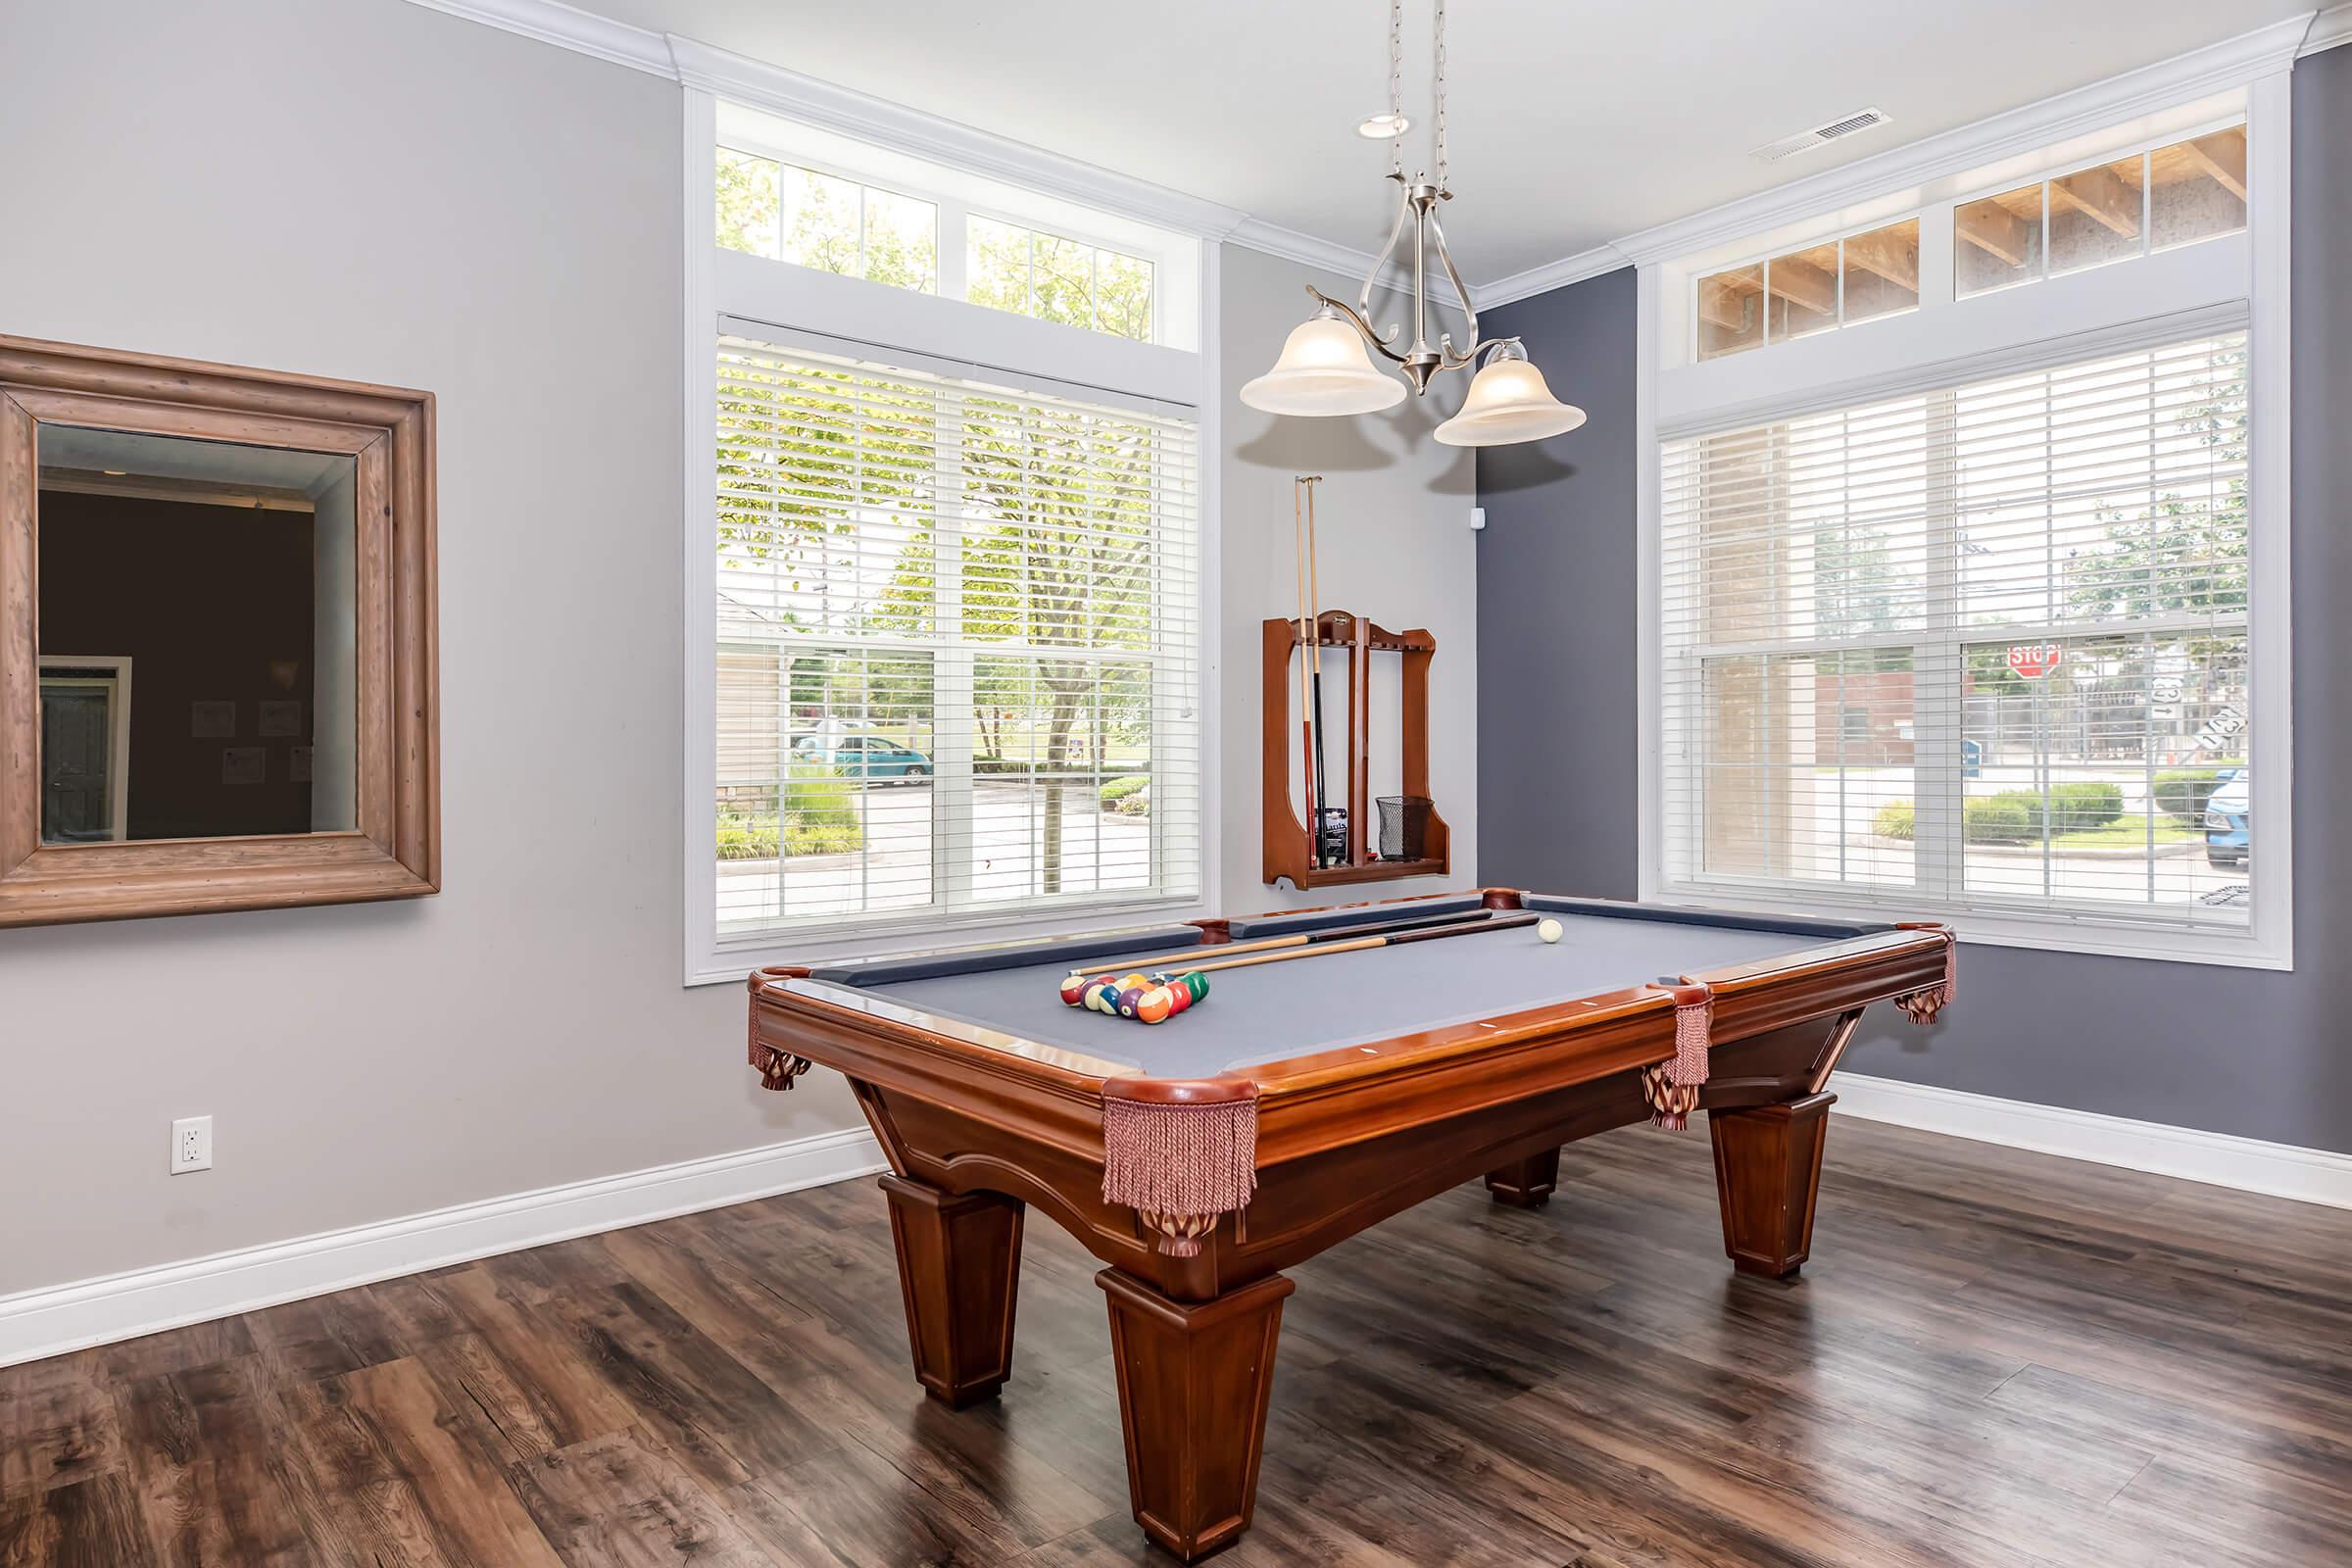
2252 278
794 298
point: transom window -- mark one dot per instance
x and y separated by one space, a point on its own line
1982 647
793 193
2111 212
1831 284
810 218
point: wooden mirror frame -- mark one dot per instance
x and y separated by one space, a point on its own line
396 850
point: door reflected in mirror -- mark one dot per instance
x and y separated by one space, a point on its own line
197 626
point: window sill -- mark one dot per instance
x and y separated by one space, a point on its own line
731 958
2235 947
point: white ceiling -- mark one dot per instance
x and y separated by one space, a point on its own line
1574 121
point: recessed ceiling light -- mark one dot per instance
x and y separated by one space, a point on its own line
1383 125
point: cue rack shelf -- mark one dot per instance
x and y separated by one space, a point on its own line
1356 639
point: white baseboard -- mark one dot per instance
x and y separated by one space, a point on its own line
120 1306
2249 1164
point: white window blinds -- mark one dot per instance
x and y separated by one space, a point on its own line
1986 646
959 630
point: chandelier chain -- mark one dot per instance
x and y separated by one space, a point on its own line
1397 86
1440 95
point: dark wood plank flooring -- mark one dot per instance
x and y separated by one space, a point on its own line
1993 1358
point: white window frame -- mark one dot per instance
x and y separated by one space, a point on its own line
2240 279
727 291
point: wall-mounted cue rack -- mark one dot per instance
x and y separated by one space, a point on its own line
1289 855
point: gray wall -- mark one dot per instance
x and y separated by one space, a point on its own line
2254 1054
1394 542
375 191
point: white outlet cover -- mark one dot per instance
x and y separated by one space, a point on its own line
191 1145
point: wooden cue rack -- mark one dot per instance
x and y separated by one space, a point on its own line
1357 639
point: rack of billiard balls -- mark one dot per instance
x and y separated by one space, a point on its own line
1148 998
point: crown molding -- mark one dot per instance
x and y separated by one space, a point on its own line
2216 68
2327 29
566 28
1324 255
1550 276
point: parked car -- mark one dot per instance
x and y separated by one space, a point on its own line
2227 814
865 756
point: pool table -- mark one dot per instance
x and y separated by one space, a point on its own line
1300 1101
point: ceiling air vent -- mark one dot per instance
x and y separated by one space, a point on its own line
1844 125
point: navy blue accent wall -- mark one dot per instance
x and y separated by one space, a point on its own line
1555 609
2256 1053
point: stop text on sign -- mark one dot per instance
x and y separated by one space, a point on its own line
2033 660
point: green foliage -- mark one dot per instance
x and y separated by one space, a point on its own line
743 838
2079 807
820 818
2182 553
2183 793
820 812
1118 789
2016 816
2004 818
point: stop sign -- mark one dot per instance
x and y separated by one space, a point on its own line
2033 660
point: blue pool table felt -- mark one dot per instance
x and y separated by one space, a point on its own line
1268 1012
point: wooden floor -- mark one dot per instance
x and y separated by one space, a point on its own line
1993 1358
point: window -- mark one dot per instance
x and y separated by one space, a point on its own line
1057 280
1837 283
812 198
2171 195
820 221
1986 646
957 633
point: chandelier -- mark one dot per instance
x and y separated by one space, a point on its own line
1324 368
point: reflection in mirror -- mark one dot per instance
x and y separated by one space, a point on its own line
197 638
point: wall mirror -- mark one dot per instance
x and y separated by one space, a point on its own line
217 659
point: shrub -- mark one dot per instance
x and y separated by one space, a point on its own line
1136 804
746 839
2078 808
820 812
1894 821
2004 818
2181 793
1118 789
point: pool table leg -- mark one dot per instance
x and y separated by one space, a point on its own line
1526 1183
1767 1175
1193 1377
960 1267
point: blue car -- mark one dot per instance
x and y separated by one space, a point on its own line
867 757
2228 815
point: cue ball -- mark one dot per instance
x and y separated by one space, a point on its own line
1549 930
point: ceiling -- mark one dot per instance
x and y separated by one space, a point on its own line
1573 122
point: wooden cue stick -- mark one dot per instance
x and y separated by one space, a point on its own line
1298 939
1315 597
1504 924
1307 735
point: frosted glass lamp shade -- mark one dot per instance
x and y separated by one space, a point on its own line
1323 371
1508 402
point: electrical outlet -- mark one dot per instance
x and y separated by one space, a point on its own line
191 1145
